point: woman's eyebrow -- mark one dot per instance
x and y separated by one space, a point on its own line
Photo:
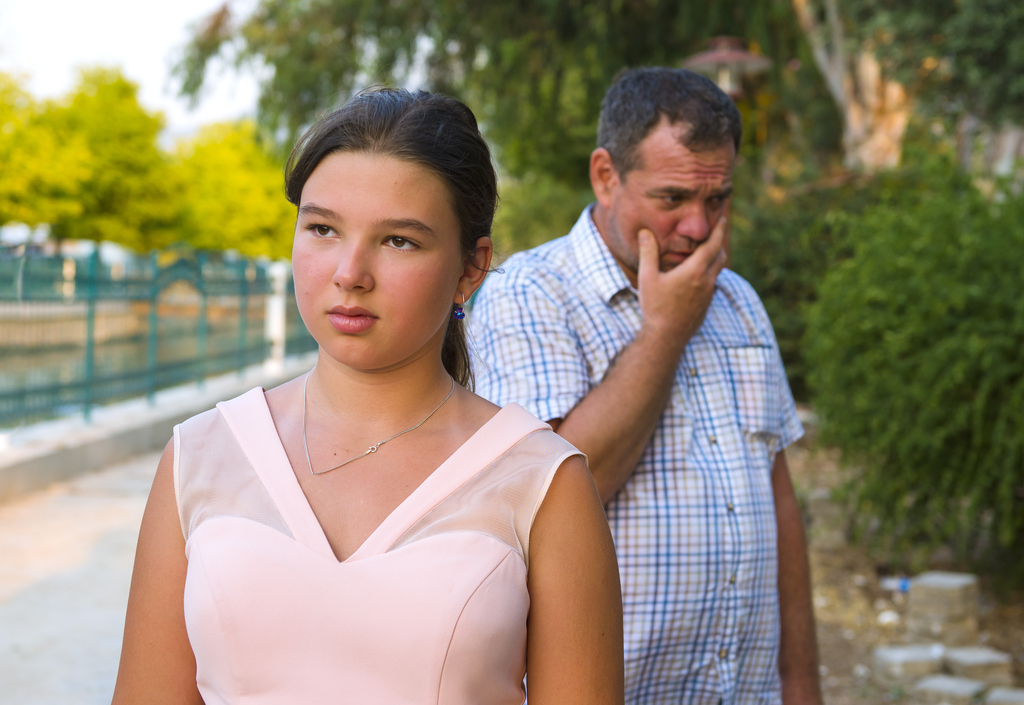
311 209
405 224
319 211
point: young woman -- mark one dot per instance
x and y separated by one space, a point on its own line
373 532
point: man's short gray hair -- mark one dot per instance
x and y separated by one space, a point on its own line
640 98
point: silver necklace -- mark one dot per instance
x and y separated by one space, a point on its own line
371 449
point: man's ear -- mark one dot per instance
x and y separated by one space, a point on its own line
604 177
475 269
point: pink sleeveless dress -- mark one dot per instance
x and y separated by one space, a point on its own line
431 608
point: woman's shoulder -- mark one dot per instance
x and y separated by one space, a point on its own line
256 399
533 428
214 415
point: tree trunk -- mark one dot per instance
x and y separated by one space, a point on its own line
875 118
1001 148
875 110
1004 150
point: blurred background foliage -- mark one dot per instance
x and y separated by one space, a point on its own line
126 196
90 166
232 193
914 352
877 204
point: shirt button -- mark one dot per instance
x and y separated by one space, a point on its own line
712 439
693 371
732 579
723 653
730 506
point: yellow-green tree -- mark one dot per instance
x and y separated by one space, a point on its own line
233 193
41 168
129 195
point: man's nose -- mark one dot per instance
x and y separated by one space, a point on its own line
693 224
354 269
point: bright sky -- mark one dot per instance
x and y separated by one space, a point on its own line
48 39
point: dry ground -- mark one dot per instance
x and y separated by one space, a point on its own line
848 600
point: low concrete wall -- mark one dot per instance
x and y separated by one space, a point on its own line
52 451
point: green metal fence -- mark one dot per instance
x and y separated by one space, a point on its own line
76 332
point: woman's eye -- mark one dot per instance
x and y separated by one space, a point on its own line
322 230
401 243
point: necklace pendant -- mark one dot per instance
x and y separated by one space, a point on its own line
371 449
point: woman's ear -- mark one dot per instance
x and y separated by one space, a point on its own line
475 269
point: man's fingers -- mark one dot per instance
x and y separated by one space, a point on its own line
720 262
714 245
649 252
708 258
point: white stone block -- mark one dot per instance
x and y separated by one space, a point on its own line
1005 696
952 632
980 663
948 690
902 665
945 595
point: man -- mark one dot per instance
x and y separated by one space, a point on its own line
636 344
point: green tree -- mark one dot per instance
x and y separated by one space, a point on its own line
42 168
960 55
915 349
233 193
129 195
533 72
953 57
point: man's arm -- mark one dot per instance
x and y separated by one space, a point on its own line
798 656
615 421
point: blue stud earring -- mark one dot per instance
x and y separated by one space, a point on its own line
458 314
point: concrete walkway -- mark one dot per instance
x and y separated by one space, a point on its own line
66 557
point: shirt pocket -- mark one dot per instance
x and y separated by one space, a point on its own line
754 374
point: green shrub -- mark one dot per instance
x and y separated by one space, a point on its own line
916 355
535 209
785 249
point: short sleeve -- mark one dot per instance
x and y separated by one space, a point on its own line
792 429
524 349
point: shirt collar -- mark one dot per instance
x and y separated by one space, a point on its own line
597 265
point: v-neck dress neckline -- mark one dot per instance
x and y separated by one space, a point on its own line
250 420
432 609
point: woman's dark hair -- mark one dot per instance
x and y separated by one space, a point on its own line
429 129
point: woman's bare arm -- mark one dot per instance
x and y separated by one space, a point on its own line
157 664
574 642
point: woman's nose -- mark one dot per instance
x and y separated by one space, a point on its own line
354 270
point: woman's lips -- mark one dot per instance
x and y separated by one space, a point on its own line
350 320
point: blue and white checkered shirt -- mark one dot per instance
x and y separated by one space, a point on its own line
694 526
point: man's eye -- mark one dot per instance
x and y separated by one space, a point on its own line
401 243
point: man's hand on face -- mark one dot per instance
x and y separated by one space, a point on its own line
675 302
